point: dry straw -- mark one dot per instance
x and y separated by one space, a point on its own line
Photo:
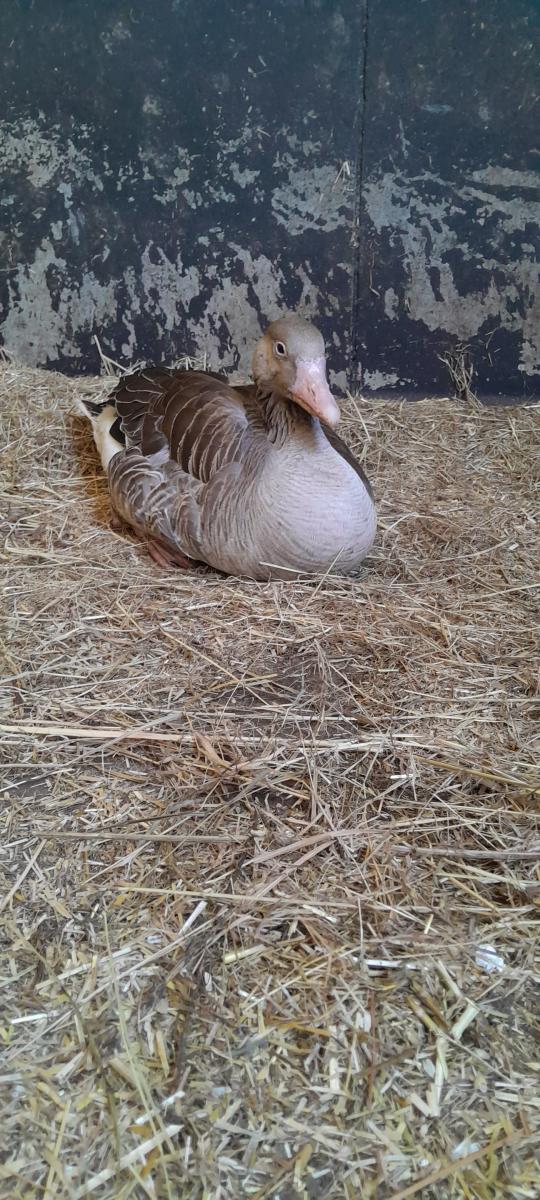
271 851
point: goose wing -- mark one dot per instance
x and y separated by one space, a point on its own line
341 448
193 418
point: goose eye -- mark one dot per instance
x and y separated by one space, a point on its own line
280 349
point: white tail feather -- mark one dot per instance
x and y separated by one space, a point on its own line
106 444
101 428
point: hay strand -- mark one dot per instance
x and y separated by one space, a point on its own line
270 851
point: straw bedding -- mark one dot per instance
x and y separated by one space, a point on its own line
269 916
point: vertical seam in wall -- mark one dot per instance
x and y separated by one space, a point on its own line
355 371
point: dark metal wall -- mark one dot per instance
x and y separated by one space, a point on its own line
449 244
174 174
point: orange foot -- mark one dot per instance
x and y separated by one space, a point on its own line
167 558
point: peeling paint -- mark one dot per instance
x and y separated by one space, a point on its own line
168 287
231 306
313 198
42 154
391 303
170 211
243 176
152 106
114 37
375 380
505 177
175 183
448 216
35 328
422 221
207 293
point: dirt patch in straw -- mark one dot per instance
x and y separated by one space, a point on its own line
271 851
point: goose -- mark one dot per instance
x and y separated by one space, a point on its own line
251 480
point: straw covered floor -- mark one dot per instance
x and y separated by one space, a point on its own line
270 852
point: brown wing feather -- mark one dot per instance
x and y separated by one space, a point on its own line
194 416
134 396
343 449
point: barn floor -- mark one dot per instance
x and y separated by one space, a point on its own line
271 851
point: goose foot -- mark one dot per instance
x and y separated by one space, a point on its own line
116 522
167 558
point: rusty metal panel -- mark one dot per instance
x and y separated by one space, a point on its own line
448 250
176 174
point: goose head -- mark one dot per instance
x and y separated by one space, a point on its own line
290 361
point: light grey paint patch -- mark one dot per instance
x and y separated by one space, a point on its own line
312 301
506 177
35 331
391 303
168 287
375 380
422 223
231 305
529 361
175 183
243 176
152 106
128 349
315 197
42 155
113 37
338 380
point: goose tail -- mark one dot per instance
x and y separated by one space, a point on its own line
106 428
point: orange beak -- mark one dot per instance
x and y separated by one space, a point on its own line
310 390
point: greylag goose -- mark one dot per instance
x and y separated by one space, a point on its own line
251 480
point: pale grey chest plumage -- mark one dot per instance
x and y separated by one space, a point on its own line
314 510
